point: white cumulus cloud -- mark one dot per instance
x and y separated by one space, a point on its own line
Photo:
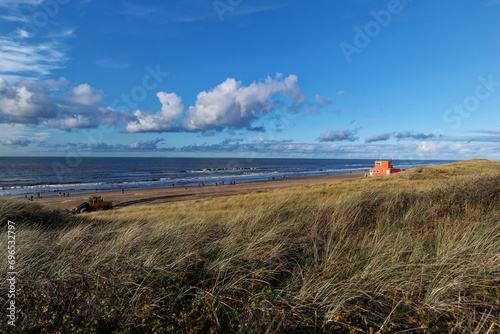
172 110
229 105
33 103
86 95
26 103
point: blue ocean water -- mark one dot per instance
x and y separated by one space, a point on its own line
20 176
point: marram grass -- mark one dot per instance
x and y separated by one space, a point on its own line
413 252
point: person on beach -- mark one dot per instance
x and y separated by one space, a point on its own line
123 190
31 198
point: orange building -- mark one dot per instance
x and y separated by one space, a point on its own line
383 167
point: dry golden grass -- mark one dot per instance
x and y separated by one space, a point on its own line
417 251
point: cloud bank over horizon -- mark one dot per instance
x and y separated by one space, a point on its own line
48 103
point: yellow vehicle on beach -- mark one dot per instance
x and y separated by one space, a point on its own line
94 203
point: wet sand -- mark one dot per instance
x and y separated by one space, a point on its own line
174 194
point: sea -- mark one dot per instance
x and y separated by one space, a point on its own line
26 176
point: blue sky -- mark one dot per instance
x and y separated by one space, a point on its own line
237 78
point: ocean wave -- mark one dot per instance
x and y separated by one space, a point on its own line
63 185
202 170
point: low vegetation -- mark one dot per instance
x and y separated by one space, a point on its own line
413 252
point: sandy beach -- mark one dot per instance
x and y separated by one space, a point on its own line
174 194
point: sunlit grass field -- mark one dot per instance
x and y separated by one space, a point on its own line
413 252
